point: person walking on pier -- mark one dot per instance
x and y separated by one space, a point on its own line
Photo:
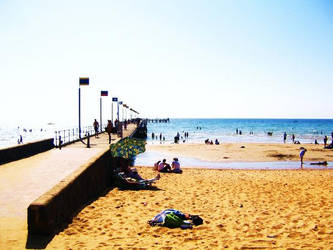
96 127
108 130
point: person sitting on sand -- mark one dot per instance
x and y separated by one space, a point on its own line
302 153
217 142
164 167
175 165
156 165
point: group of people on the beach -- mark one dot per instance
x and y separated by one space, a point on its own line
210 142
164 167
161 137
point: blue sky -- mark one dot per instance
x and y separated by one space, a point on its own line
228 59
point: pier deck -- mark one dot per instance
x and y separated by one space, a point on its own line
23 181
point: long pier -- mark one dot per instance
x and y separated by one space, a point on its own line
28 181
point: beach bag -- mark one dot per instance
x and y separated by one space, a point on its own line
171 220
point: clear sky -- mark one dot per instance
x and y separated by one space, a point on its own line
214 59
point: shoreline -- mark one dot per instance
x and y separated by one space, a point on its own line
244 152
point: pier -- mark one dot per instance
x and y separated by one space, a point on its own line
41 180
157 120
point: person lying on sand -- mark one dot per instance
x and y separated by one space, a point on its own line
133 173
173 218
319 163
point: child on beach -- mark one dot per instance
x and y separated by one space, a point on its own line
302 153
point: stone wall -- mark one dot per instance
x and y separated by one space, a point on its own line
25 150
58 206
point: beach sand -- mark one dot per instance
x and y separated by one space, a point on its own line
237 152
242 209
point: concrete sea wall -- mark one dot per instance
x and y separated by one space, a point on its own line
25 150
58 206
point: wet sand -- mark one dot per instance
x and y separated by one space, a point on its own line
227 152
242 209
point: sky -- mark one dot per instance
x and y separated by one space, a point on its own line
181 59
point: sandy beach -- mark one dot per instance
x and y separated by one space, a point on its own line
242 209
237 152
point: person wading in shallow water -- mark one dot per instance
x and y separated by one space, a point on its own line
302 153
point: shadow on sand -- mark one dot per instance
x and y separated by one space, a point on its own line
38 241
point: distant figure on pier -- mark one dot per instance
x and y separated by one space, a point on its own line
20 140
96 127
108 130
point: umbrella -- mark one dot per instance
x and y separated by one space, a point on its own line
128 148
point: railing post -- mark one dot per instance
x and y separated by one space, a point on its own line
88 141
60 142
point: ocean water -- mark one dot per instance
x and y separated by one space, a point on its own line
305 130
253 130
9 136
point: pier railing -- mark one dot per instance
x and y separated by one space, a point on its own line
66 136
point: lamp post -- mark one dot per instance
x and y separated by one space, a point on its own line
103 93
83 81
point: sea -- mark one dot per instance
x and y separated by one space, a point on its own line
252 130
199 130
236 130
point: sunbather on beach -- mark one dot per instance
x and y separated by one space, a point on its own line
174 218
164 167
133 173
